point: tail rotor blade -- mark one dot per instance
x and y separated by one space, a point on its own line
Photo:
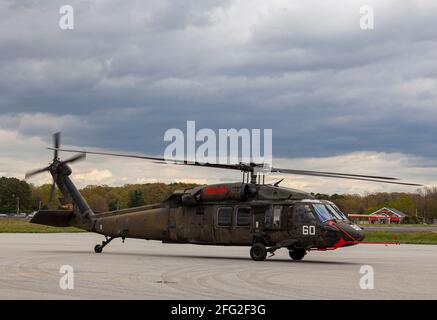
53 190
35 172
75 158
56 144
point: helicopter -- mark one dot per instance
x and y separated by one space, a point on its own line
264 217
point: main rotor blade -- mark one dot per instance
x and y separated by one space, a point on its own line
109 154
313 173
35 172
309 172
342 176
56 144
75 158
247 167
157 159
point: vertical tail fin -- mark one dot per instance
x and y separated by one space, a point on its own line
81 213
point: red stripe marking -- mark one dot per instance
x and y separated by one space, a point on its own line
215 190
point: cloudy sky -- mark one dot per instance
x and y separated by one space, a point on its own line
337 97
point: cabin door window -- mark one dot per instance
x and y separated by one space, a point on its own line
242 230
244 217
224 217
223 225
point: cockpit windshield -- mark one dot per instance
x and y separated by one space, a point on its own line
336 210
323 213
327 212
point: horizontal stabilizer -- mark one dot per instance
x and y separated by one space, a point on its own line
54 218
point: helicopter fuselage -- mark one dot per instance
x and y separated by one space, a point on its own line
266 217
185 218
249 213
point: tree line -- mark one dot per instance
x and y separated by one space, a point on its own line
421 204
100 198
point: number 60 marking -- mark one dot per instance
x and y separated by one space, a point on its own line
308 230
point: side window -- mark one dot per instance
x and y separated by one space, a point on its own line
224 217
277 210
303 214
273 217
244 217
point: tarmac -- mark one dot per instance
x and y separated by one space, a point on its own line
30 266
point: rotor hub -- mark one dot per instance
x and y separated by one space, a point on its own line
58 167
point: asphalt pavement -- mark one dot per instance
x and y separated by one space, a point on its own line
30 266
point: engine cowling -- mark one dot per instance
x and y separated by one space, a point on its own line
231 191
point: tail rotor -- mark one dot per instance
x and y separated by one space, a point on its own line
57 166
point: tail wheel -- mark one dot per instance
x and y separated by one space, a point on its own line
98 248
297 254
258 252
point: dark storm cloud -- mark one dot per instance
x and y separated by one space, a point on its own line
130 70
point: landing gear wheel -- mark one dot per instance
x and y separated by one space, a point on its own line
297 254
258 252
98 248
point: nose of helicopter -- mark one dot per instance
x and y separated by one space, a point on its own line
350 231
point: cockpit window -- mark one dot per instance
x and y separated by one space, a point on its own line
336 214
323 213
337 209
303 214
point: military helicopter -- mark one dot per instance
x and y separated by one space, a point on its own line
265 217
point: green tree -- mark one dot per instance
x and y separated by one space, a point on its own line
136 198
41 197
12 192
113 205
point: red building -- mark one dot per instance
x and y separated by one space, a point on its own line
365 218
391 216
